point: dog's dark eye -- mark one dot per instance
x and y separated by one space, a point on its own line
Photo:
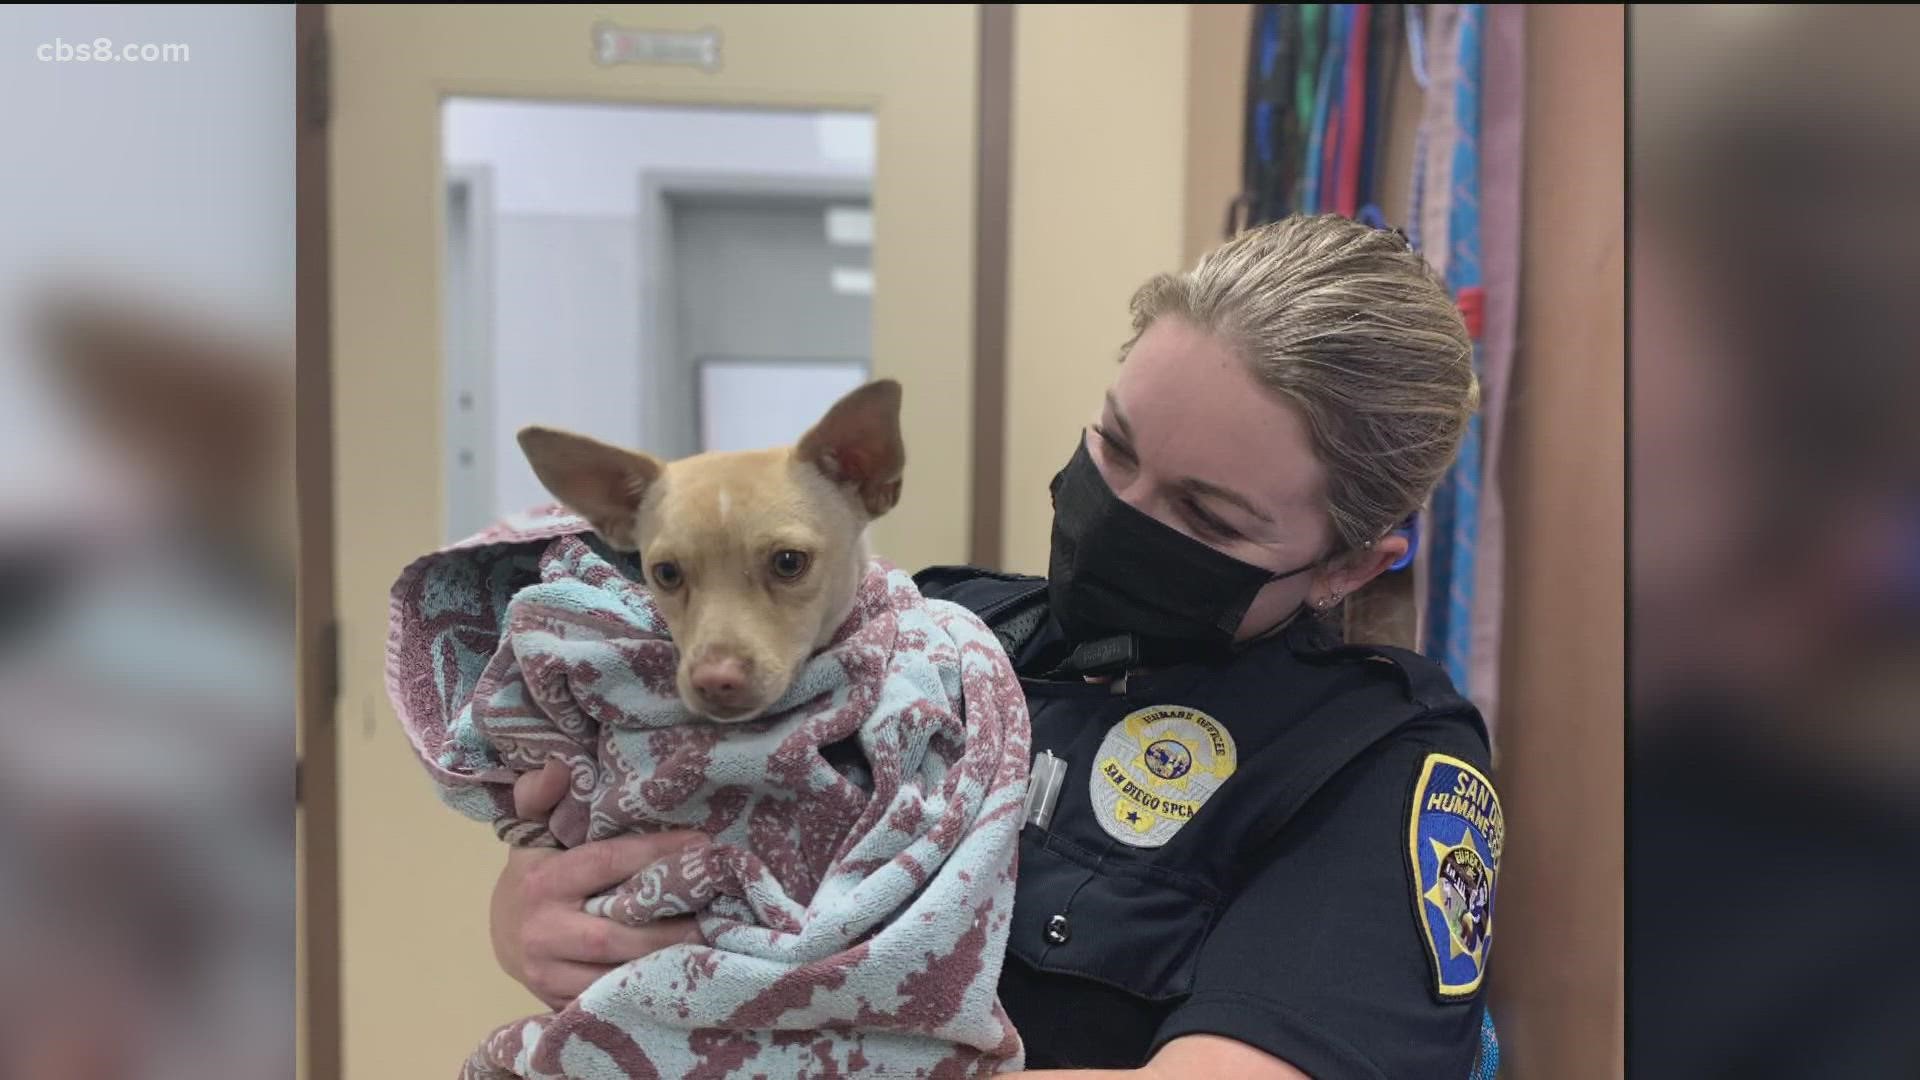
667 575
789 564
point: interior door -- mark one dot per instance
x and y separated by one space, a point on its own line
418 984
773 314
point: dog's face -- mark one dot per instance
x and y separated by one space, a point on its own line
754 556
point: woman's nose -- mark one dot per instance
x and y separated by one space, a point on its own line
1133 485
1140 497
1139 492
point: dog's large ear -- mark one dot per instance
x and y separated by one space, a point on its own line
601 483
858 442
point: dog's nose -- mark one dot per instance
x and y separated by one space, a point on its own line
721 681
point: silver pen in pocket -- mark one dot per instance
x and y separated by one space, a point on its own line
1043 787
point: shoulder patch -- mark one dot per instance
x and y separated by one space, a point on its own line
1156 767
1455 831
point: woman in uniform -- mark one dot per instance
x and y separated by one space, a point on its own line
1235 867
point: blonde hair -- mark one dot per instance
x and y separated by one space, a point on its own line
1351 326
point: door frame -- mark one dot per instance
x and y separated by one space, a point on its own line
992 257
316 767
468 359
323 570
674 431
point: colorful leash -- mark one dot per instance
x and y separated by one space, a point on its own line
1306 89
1417 60
1456 517
1333 130
1380 68
1324 89
1486 1059
1353 109
1269 175
1382 57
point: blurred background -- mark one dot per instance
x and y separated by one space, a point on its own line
684 228
1773 818
146 543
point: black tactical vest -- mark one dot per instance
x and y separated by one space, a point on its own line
1116 921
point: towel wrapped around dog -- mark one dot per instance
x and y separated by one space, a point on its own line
856 895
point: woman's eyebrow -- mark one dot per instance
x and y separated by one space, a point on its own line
1192 484
1202 487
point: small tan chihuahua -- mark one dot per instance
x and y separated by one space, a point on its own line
753 556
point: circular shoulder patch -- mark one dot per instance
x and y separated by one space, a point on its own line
1454 836
1155 769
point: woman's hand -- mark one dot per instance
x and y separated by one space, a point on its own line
541 935
1189 1057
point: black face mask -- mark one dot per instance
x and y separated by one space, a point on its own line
1116 570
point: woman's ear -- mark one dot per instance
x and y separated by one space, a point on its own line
1346 575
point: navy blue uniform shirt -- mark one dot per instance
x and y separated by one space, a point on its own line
1293 845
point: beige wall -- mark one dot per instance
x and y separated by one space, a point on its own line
1216 95
1101 170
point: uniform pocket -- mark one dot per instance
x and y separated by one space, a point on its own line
1135 927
